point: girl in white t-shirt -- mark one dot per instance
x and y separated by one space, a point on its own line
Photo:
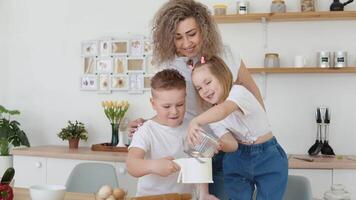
255 158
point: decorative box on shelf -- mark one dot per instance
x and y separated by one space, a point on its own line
108 147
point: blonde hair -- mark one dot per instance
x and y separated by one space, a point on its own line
220 71
165 23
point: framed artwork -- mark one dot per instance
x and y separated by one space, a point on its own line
136 47
147 82
104 82
89 82
120 65
90 48
105 47
119 47
119 82
147 47
151 67
136 64
104 65
89 65
136 83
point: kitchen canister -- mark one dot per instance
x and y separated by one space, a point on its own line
242 7
340 59
307 5
220 9
337 192
271 60
278 6
324 59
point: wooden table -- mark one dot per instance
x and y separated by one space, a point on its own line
24 194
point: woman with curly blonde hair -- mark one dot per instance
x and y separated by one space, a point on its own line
182 32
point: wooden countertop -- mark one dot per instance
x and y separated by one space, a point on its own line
24 194
82 153
85 153
322 162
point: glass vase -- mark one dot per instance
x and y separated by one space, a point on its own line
114 134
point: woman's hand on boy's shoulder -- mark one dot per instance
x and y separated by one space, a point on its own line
133 125
164 166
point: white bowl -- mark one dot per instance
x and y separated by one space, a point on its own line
47 192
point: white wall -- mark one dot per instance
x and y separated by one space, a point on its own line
40 66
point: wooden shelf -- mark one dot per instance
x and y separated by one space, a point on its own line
302 70
288 16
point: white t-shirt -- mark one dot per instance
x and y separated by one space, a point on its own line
247 125
180 64
160 141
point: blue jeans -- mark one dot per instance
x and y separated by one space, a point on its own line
262 165
217 188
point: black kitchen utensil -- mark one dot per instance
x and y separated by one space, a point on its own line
316 147
326 149
8 176
338 6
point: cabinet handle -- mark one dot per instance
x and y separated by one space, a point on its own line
38 164
122 170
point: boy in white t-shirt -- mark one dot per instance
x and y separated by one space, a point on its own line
160 140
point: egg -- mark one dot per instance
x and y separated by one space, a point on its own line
119 193
104 192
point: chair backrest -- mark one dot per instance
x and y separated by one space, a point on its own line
170 196
89 177
298 188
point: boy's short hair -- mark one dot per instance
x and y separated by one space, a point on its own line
167 79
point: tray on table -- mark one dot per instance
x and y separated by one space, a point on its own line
108 147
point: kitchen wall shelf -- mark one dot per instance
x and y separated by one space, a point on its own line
289 16
285 70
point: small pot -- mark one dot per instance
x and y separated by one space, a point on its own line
73 143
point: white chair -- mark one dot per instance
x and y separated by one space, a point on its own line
89 177
298 188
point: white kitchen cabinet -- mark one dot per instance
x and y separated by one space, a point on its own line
40 170
347 177
29 171
320 179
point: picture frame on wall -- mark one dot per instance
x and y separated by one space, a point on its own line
104 65
136 47
136 82
89 82
147 47
147 82
151 67
89 65
89 48
136 64
104 83
119 82
105 47
119 64
119 47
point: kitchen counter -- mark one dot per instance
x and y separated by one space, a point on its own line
82 153
85 153
322 162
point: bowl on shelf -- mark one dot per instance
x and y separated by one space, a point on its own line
46 192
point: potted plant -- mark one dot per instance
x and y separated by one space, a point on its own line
10 135
73 133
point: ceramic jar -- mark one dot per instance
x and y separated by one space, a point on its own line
220 9
307 5
242 7
278 6
271 60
